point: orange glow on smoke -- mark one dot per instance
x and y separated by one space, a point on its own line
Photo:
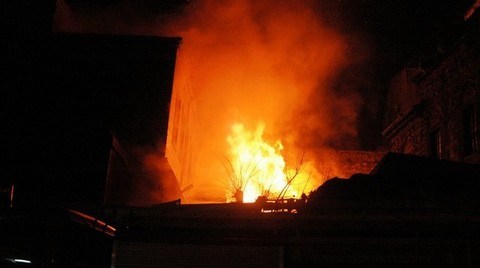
247 61
258 168
268 61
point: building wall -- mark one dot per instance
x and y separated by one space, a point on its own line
125 84
182 148
443 119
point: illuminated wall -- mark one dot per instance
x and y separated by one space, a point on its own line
182 150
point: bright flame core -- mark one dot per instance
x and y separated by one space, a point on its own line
257 168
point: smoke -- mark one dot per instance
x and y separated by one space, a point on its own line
139 176
275 62
268 61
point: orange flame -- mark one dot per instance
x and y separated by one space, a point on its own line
250 60
258 168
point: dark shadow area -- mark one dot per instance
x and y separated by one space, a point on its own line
403 183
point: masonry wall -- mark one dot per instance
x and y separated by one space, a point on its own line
445 87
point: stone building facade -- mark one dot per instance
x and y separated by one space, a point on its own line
434 110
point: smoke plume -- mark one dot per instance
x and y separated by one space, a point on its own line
266 61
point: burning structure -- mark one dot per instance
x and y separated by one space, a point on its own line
257 86
169 145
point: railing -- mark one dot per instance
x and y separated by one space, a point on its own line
283 205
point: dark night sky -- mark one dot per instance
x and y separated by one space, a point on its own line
399 33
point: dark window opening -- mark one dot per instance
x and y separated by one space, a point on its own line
470 130
435 143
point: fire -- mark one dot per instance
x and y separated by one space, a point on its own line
278 61
256 168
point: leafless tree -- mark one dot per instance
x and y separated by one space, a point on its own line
238 178
290 176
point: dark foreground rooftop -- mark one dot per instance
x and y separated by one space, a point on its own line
238 235
409 211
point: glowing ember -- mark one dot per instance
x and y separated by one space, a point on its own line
256 168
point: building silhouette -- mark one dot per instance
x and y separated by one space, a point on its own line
433 108
69 97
